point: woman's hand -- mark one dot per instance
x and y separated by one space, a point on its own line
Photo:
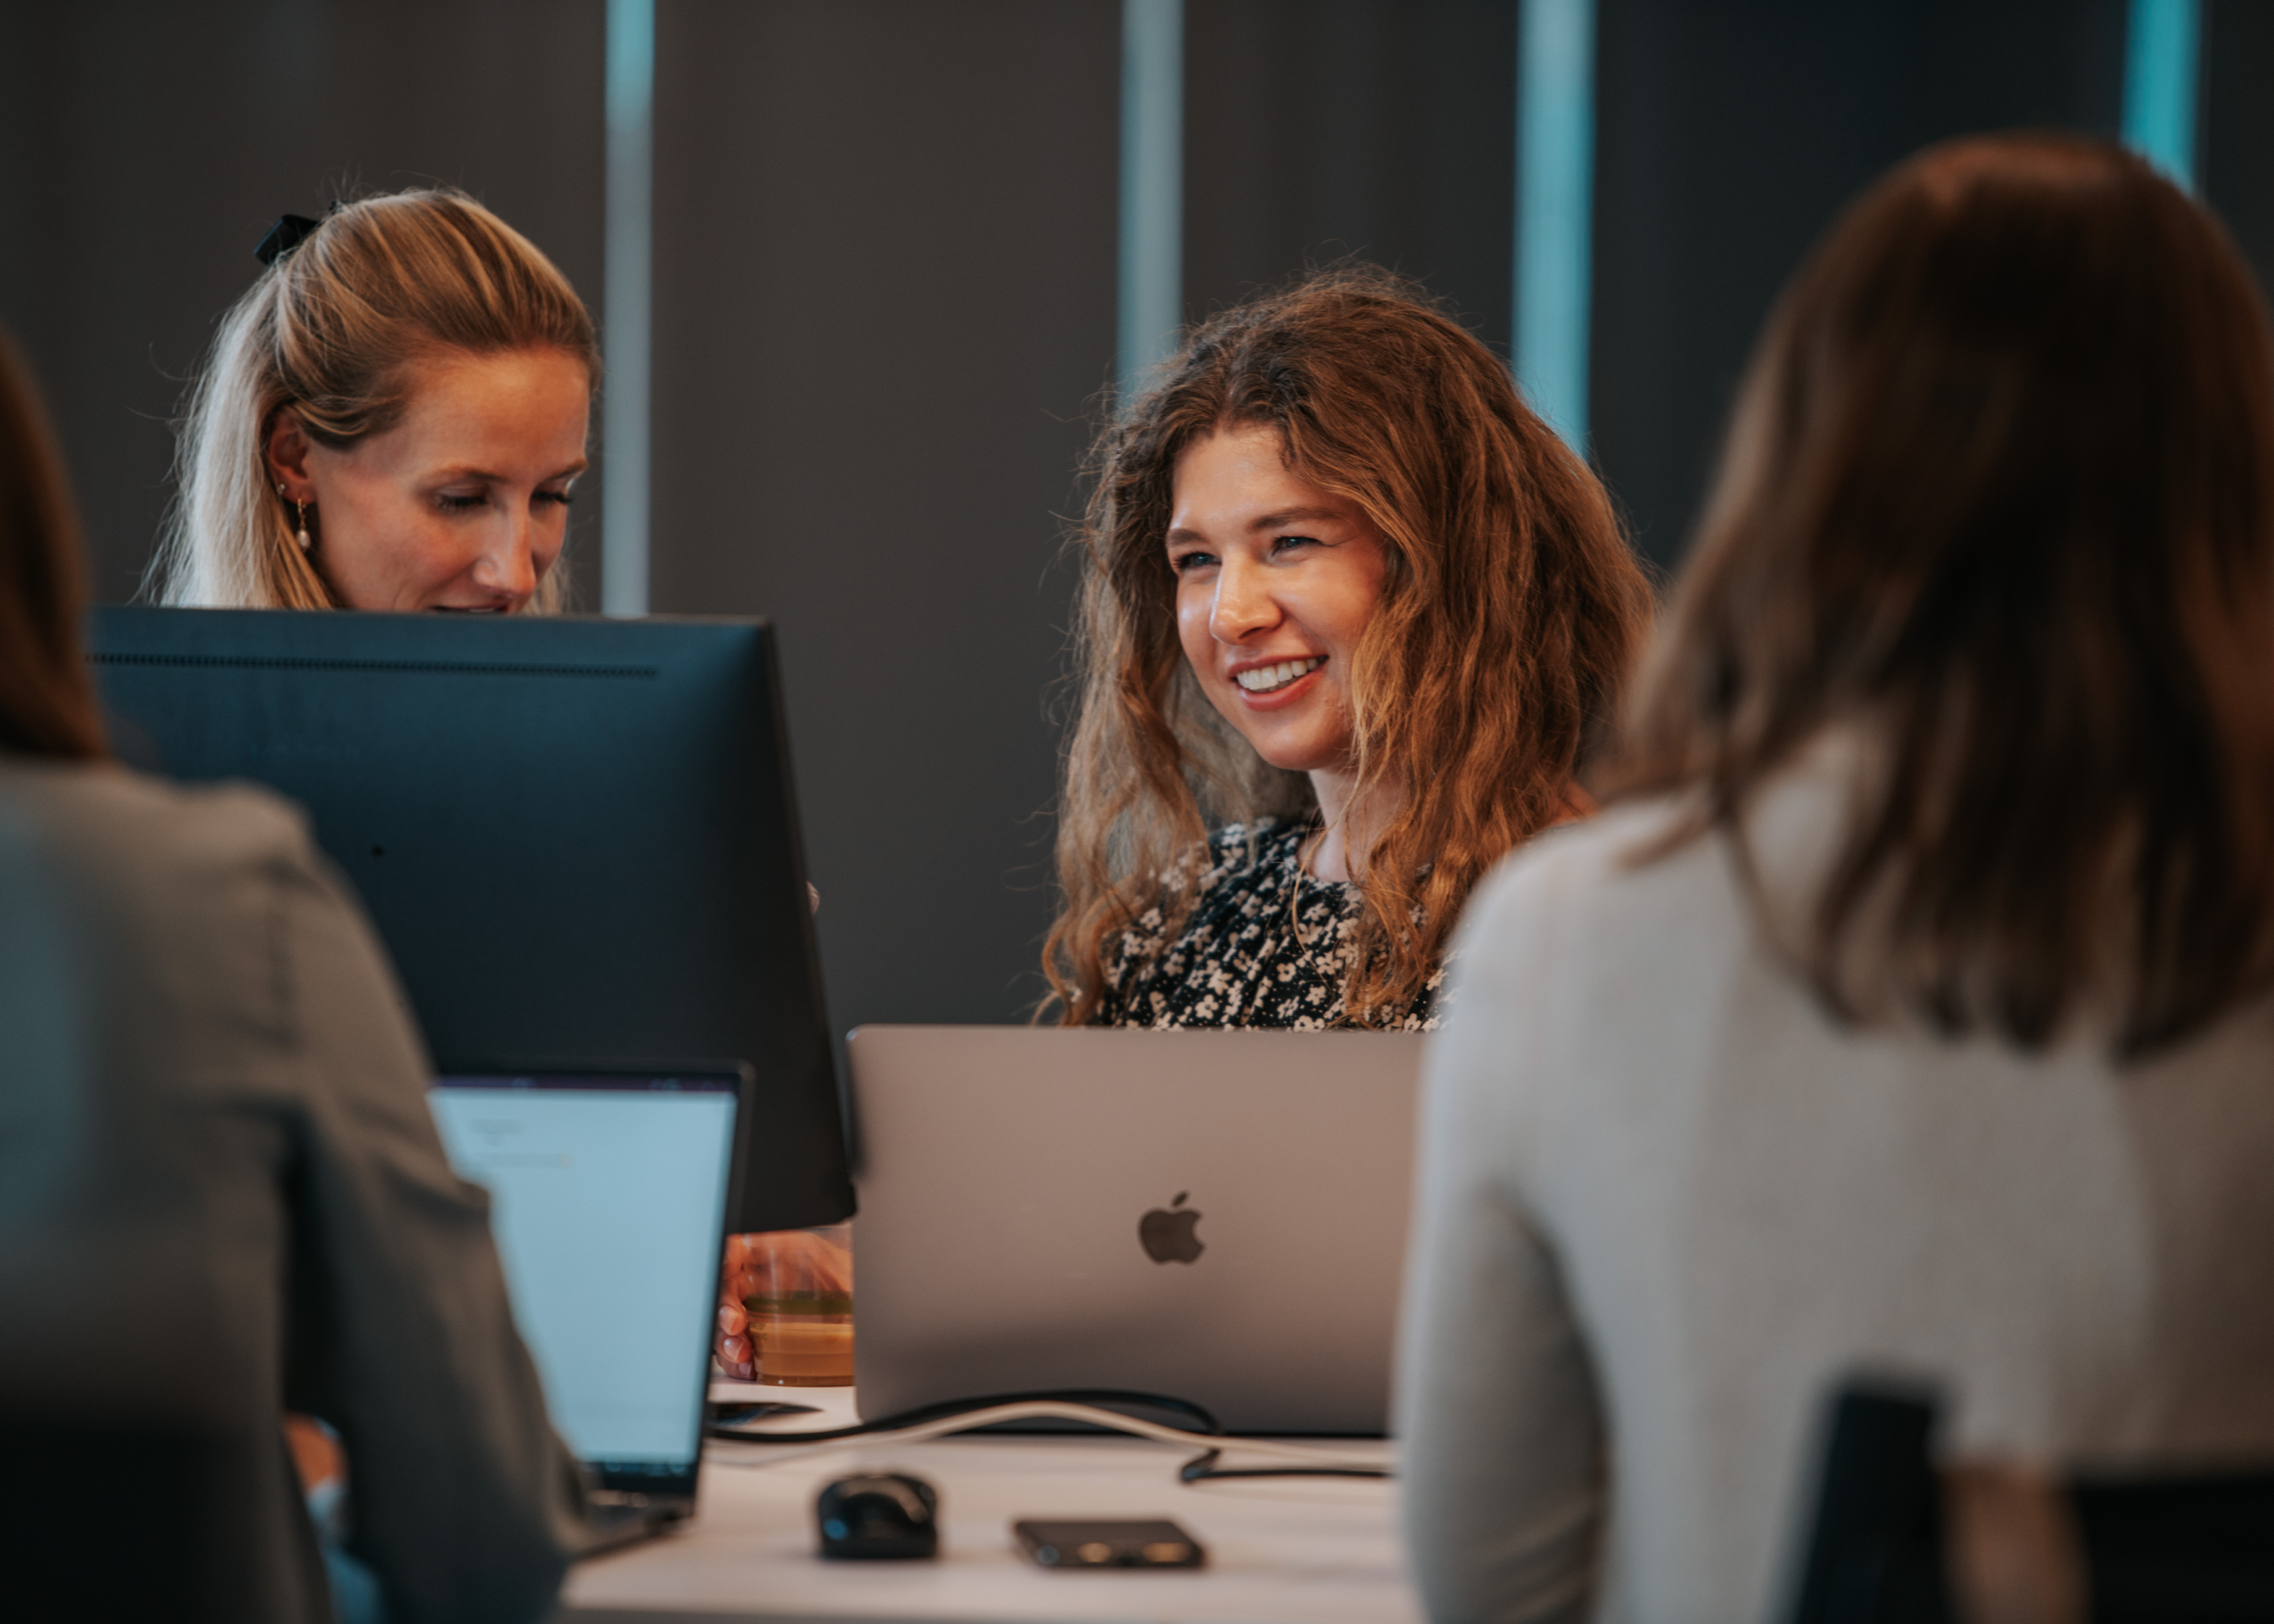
775 1264
730 1349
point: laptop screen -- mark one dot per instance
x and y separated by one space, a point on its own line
608 1201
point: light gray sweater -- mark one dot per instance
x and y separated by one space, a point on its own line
1664 1204
221 1195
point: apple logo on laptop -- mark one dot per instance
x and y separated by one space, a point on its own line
1166 1232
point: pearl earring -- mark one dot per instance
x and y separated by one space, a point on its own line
300 512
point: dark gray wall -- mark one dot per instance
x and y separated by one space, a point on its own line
885 283
145 147
884 265
2235 167
1728 136
1320 129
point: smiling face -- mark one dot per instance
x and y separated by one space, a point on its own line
1275 582
463 505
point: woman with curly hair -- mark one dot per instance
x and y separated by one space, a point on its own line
1351 612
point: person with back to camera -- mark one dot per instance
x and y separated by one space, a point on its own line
1349 612
1908 1009
234 1198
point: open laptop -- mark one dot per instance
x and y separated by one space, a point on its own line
1217 1217
609 1193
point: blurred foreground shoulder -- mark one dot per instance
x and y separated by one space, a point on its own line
1531 892
187 894
119 828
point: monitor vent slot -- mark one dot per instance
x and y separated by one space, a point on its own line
281 662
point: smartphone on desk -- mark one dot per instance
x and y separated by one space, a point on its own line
1099 1542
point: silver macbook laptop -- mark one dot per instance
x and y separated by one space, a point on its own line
609 1194
1213 1216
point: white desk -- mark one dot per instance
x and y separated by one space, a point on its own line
1281 1551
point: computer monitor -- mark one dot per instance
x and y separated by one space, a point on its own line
578 838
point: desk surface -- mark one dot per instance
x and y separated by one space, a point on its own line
1318 1551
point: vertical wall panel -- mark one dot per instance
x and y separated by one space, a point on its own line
145 147
1729 134
1150 241
884 275
1555 210
1318 127
2162 74
630 297
2235 154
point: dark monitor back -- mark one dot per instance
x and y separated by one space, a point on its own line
577 837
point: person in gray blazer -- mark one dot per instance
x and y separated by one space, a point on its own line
1907 1011
221 1193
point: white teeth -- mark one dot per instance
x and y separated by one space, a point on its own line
1263 678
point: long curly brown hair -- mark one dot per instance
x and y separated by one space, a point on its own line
1508 617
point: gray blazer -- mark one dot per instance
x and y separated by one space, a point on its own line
221 1196
1664 1204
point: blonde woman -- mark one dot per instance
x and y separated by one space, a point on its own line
236 1193
1351 611
392 417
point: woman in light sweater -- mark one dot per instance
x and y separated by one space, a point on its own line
1908 1009
220 1190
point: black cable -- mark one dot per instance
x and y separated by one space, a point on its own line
1207 1422
1201 1468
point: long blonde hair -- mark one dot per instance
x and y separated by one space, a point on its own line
1510 611
327 333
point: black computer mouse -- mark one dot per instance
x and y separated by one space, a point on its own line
878 1515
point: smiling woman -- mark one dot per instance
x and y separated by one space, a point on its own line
391 418
1349 614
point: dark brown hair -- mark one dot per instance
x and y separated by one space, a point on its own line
1998 501
46 699
1506 623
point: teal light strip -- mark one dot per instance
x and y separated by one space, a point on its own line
2160 53
626 336
1152 258
1554 213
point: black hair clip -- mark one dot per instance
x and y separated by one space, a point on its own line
289 232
